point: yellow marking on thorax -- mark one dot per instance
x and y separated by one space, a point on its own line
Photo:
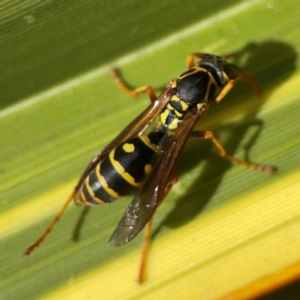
184 105
170 107
163 116
211 82
194 70
175 98
178 114
174 124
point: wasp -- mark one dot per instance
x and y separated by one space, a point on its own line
144 155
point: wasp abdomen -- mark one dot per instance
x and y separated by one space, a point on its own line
122 170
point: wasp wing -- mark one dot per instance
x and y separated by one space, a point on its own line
135 128
151 194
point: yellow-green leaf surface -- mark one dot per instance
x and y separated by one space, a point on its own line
224 232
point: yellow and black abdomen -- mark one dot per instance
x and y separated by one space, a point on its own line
124 168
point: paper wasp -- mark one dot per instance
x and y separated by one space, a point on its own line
146 157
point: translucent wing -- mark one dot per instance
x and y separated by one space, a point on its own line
135 128
151 194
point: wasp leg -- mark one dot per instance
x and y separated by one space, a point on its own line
225 90
135 92
249 80
230 84
191 59
244 76
145 247
52 224
222 152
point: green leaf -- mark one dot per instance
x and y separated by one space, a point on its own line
223 231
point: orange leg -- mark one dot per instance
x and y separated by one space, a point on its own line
244 76
52 224
135 92
191 59
210 135
225 90
145 247
230 84
249 80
